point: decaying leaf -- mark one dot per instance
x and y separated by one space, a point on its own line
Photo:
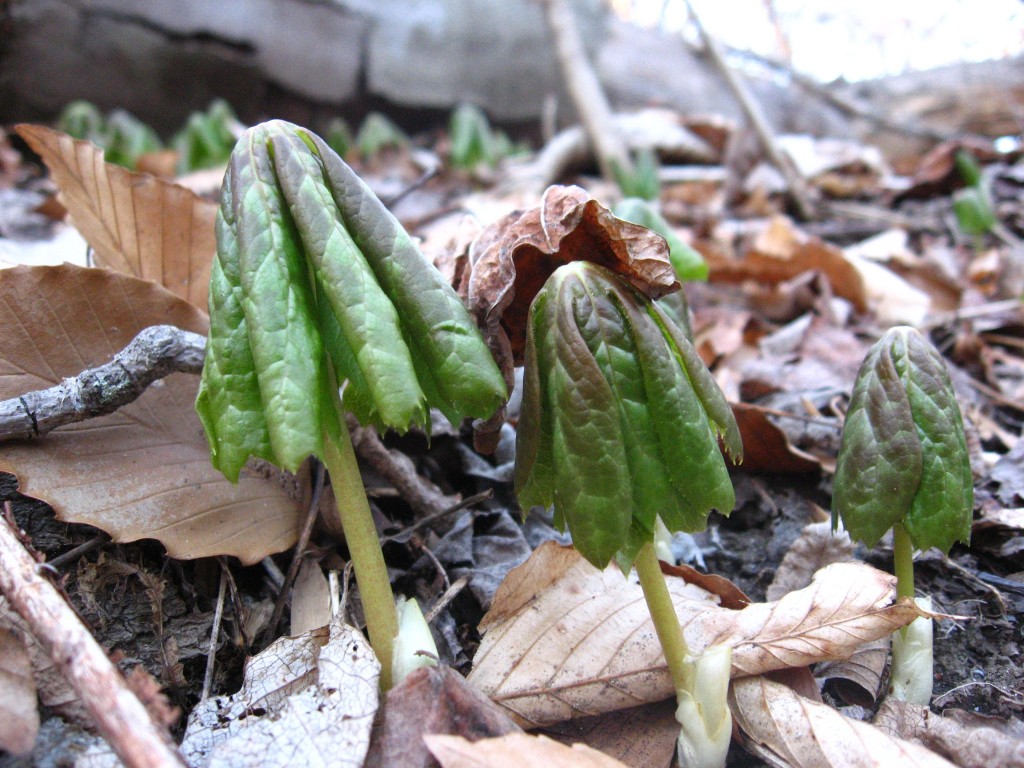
780 253
136 224
307 700
786 729
641 737
968 744
566 640
311 599
766 448
815 547
515 751
144 471
513 257
20 721
434 700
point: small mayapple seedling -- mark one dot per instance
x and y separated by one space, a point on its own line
903 465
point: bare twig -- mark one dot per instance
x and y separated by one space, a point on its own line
300 550
156 352
397 468
585 90
119 715
211 652
797 187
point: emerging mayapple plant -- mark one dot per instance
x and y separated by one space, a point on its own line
620 426
903 464
316 285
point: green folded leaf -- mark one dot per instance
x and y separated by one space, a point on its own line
615 428
316 285
904 455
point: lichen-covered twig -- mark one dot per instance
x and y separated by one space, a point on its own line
119 715
156 352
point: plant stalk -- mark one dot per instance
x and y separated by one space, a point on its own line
663 613
903 561
363 545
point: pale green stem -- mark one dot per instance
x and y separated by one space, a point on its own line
363 546
903 561
663 613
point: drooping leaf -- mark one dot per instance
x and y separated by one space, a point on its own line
135 223
144 471
904 455
318 286
622 415
565 640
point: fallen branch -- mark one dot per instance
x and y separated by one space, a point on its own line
585 90
153 354
119 715
797 187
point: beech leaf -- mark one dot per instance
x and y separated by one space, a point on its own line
515 751
787 729
564 639
144 471
135 223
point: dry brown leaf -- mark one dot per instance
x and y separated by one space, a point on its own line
513 257
766 448
969 745
19 722
780 253
565 640
515 751
136 224
786 729
144 471
435 700
311 599
816 546
641 737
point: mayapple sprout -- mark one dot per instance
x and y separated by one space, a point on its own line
903 464
620 425
316 285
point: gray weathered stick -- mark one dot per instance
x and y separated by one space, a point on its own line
119 715
156 352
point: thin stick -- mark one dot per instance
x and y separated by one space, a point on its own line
211 652
119 715
585 90
797 188
300 549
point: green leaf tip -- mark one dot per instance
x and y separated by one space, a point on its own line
903 457
315 284
620 418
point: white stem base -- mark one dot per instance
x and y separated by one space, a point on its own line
703 714
911 674
414 645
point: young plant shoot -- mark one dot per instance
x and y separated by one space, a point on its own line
903 464
620 425
315 285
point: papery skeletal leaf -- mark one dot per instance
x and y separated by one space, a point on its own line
565 640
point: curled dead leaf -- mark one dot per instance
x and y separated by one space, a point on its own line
565 640
513 257
144 471
135 223
784 728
